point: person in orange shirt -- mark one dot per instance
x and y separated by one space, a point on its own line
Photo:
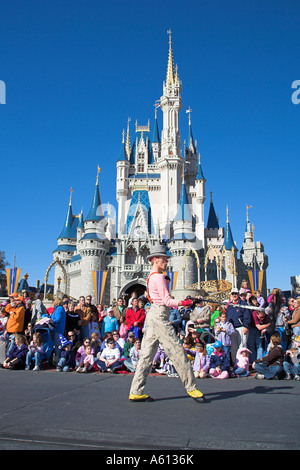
16 310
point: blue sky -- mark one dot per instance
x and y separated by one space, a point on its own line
74 72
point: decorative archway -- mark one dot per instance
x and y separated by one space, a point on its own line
229 258
56 261
212 254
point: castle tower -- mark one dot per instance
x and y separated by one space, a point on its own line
170 161
66 246
156 145
200 198
253 258
122 182
229 252
93 246
182 239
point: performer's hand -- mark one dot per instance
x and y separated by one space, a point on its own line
186 303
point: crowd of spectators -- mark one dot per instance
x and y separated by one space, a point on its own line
248 335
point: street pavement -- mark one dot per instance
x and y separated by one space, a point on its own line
48 410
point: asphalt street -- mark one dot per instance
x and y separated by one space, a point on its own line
48 410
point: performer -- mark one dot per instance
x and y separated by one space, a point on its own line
159 330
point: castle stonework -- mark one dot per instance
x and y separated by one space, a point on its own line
160 192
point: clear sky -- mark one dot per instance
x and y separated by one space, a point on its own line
74 71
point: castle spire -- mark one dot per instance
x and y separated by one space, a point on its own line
123 152
183 212
95 212
128 139
212 221
228 239
156 138
170 70
71 194
67 228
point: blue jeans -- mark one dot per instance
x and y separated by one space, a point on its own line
62 365
10 342
34 356
103 366
290 368
127 363
255 344
84 332
268 371
241 372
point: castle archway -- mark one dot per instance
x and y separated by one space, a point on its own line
136 285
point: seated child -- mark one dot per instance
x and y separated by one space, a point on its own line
66 358
35 352
80 350
16 358
201 361
109 358
95 342
134 356
241 366
219 362
159 358
291 364
189 344
87 359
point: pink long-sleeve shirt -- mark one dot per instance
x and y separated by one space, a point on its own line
159 292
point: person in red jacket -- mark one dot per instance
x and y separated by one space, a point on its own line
135 318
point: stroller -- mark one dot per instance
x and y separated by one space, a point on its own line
47 333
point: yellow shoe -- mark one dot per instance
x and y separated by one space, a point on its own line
197 396
133 397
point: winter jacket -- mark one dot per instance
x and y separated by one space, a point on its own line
84 314
202 361
221 360
224 336
242 361
15 321
238 316
295 320
69 356
133 316
59 319
201 313
274 358
109 324
18 352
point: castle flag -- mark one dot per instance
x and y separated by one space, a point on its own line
12 279
99 278
256 279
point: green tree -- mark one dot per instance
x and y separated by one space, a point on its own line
3 262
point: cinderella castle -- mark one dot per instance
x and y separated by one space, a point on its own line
160 192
